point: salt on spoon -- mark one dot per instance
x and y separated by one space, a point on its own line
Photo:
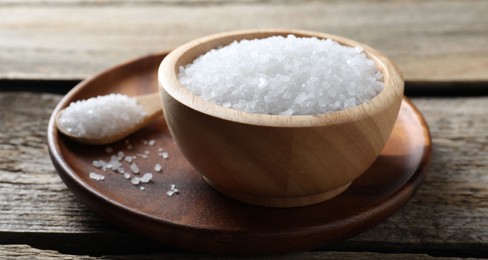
106 119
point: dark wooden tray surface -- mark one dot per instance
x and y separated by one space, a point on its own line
201 219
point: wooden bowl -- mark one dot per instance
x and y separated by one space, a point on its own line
271 160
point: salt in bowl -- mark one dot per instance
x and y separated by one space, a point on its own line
274 160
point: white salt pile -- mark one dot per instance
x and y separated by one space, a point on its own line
101 116
284 76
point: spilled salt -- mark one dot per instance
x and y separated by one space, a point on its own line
96 176
120 160
173 190
158 167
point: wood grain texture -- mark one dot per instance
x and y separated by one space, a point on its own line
455 192
28 182
73 39
27 252
449 212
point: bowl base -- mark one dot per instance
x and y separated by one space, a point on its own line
285 202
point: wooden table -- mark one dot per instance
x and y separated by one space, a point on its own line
47 46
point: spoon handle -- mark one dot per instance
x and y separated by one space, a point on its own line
152 105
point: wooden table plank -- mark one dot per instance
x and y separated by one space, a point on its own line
72 39
27 252
448 214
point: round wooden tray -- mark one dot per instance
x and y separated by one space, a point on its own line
201 219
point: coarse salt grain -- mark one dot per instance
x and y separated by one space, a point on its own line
165 155
120 155
284 76
134 168
97 164
101 116
135 180
158 167
173 190
96 176
146 177
114 163
143 155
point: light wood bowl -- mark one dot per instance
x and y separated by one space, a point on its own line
271 160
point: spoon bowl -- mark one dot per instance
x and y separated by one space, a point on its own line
271 160
151 106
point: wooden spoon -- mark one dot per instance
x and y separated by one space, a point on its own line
149 102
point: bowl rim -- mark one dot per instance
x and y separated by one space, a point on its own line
169 83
